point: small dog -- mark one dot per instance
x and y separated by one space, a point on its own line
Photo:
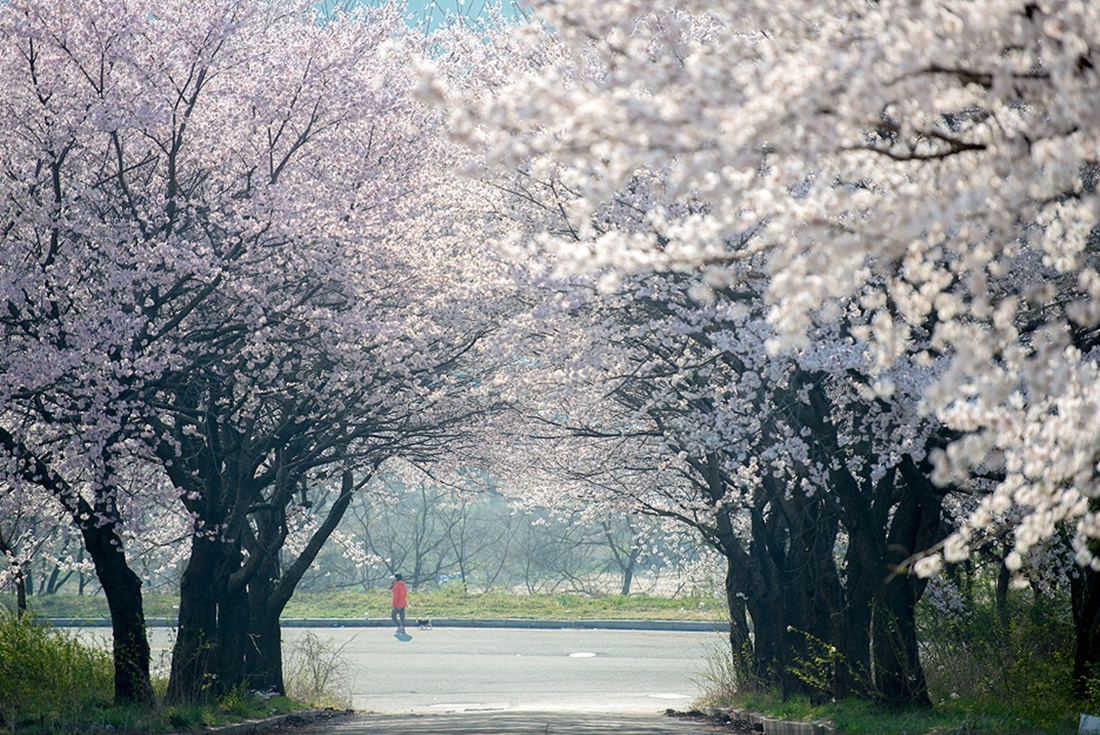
424 623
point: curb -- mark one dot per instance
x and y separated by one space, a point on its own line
699 626
246 727
252 726
768 725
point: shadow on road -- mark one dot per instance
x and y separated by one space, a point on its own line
510 723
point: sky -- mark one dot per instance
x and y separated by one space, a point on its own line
438 10
468 8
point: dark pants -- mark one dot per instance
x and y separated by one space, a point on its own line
398 617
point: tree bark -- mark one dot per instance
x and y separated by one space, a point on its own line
628 578
20 596
899 676
1085 593
196 632
270 591
741 647
122 588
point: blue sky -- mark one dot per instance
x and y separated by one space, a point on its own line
436 9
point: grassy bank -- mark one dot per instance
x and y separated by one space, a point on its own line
455 604
52 683
446 603
972 717
992 668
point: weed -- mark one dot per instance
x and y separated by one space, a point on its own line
314 671
821 666
721 679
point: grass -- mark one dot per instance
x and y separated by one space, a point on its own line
47 677
861 717
453 603
234 707
442 603
51 683
90 607
989 669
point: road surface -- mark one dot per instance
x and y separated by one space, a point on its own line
490 681
496 669
464 669
510 723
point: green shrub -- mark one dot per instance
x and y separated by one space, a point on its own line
48 676
1016 659
990 669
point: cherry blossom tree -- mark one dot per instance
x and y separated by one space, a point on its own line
779 461
811 487
929 165
939 155
230 253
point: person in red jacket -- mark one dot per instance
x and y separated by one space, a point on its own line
400 594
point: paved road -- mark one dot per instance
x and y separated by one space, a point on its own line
493 669
472 669
510 723
484 681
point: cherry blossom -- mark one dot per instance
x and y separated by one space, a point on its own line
933 162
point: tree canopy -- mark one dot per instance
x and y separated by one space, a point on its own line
815 280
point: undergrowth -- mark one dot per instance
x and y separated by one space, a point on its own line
990 669
315 671
49 679
54 683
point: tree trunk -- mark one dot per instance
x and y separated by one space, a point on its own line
1004 577
123 591
56 581
196 633
233 636
120 585
264 655
263 658
899 676
628 578
269 591
1085 592
854 676
20 596
741 647
213 632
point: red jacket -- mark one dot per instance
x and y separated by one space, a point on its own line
400 593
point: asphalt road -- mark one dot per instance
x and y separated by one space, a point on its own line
509 723
501 669
514 681
496 670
